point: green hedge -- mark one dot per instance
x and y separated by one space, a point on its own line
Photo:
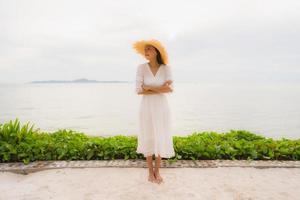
26 144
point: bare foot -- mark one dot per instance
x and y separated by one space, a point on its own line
158 178
151 177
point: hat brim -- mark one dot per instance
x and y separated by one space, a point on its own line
139 46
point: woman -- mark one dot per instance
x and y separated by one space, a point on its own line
153 80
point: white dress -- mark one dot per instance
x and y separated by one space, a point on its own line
155 122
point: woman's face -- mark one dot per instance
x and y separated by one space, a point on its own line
150 52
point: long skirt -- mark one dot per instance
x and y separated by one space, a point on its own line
155 127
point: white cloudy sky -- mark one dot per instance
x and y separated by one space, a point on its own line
232 40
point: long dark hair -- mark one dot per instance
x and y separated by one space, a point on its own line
158 57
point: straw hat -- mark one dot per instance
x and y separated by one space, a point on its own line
139 46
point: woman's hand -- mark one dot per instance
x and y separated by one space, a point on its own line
147 90
146 87
168 82
166 87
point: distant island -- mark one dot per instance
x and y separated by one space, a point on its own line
82 80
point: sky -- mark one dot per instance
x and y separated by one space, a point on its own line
207 41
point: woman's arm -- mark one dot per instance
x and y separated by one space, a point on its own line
161 89
166 87
147 92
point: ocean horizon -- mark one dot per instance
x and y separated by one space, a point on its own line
109 109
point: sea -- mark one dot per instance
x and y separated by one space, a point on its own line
108 109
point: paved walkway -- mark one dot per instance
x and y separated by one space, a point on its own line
20 168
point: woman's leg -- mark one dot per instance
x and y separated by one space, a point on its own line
151 176
158 178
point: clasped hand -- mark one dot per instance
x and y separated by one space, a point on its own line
167 83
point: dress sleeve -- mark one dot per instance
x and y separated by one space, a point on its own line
139 79
169 74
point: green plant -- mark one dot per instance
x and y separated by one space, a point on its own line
26 144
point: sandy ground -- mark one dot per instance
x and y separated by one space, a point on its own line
131 183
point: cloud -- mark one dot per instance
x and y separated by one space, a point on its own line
206 40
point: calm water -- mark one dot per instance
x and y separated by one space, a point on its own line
112 108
